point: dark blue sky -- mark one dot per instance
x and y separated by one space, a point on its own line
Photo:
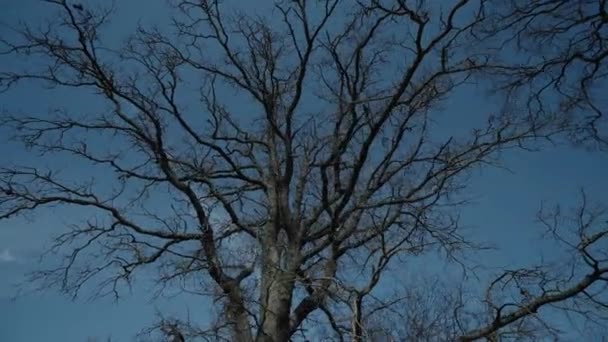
503 213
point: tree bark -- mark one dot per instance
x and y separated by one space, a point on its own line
276 296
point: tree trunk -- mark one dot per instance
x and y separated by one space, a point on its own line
357 319
238 315
276 296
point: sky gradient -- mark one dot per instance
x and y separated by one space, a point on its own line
503 213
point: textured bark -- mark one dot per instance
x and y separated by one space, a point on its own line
357 319
277 304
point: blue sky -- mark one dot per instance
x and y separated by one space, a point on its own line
503 213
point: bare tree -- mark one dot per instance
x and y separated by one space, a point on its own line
290 208
574 284
526 304
553 55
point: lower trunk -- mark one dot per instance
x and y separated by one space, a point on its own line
357 319
277 288
237 314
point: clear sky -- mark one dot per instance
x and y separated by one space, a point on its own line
503 213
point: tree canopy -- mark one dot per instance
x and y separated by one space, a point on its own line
285 160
